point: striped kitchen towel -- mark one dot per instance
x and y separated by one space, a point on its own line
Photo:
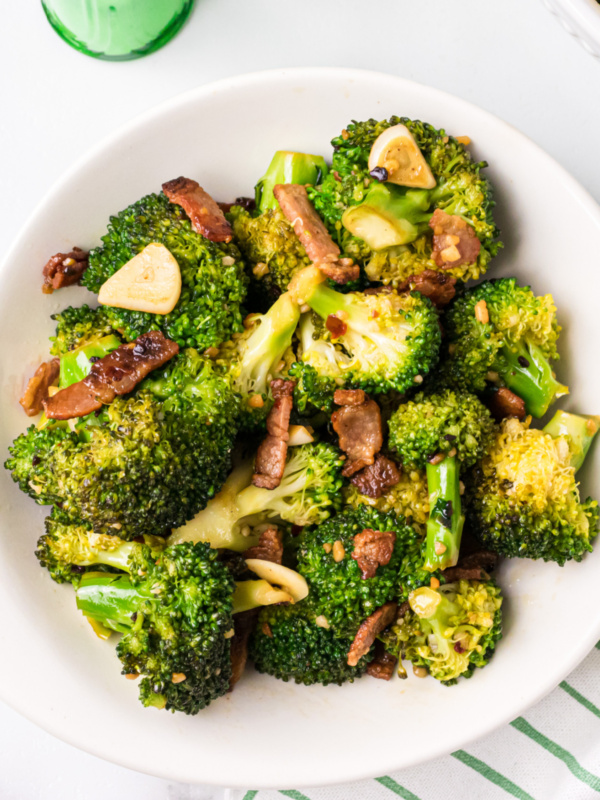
552 752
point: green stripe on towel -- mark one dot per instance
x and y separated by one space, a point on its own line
491 775
391 784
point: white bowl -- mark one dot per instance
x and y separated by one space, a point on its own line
269 733
580 18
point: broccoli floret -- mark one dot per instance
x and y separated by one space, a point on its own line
308 493
262 353
449 631
175 610
338 591
408 498
446 433
376 342
461 190
148 462
78 326
289 645
524 500
501 332
68 550
212 275
270 246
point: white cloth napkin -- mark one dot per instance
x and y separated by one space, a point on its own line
552 752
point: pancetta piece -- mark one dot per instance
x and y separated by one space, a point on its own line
37 389
205 215
454 241
272 453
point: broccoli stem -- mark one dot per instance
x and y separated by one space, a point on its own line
288 167
527 373
76 364
579 430
109 599
445 524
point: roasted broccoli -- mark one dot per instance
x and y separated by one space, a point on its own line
524 500
338 592
308 493
77 326
213 278
501 333
408 498
376 342
148 462
175 611
449 631
290 645
461 190
444 432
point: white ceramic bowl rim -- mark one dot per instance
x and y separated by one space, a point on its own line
53 722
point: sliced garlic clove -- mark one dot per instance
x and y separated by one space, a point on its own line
253 594
299 435
150 281
397 152
289 580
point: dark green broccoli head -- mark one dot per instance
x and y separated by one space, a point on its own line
175 611
461 190
338 591
503 333
148 462
78 326
524 500
376 342
449 631
212 275
442 422
289 645
270 246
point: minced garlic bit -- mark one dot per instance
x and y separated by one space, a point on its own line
260 269
481 312
132 676
327 547
228 261
229 633
338 551
418 379
420 672
440 548
434 582
178 677
322 622
256 401
466 140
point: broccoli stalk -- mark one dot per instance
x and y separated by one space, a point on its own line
446 520
308 493
76 364
527 373
288 167
579 431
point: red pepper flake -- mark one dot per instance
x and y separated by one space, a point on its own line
335 326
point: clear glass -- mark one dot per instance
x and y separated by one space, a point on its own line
117 30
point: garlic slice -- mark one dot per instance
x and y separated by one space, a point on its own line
299 435
253 594
290 581
150 281
397 152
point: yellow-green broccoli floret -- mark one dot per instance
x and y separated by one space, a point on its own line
449 631
408 498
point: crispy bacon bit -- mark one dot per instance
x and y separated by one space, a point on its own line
64 269
37 389
243 625
116 374
205 215
454 241
474 567
437 286
269 547
349 397
271 455
314 236
336 326
383 664
370 630
504 403
377 478
373 549
361 434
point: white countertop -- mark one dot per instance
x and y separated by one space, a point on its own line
508 56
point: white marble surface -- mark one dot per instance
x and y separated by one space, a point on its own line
509 56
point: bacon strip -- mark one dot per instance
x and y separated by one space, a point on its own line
359 428
437 286
269 547
205 215
64 269
373 549
503 403
454 241
271 455
37 388
117 373
383 664
370 630
377 478
314 236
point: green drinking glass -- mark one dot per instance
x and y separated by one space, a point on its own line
117 30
